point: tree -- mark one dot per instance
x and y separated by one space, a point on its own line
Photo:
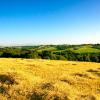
46 54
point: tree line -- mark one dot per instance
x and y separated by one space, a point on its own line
45 54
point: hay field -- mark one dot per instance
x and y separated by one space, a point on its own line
27 79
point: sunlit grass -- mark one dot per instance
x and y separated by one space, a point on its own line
86 49
27 79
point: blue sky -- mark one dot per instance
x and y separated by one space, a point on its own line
49 22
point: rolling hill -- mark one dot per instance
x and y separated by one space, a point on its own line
83 52
86 49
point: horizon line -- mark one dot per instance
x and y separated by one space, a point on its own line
47 44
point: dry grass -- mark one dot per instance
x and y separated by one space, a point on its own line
26 79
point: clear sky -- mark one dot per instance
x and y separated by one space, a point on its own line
49 21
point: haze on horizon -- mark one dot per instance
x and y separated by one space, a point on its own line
49 22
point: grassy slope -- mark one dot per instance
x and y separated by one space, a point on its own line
86 49
82 49
47 48
22 79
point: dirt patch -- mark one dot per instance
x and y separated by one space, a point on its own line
7 79
86 97
82 75
67 81
44 95
74 64
92 71
2 90
48 86
95 72
99 68
37 95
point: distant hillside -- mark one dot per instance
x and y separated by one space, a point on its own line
86 49
84 52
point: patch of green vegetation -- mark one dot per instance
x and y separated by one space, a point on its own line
86 49
84 52
47 48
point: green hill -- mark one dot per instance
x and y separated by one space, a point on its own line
86 49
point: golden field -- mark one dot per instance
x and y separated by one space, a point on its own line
27 79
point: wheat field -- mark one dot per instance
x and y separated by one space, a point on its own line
29 79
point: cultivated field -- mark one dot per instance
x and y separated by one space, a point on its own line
26 79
